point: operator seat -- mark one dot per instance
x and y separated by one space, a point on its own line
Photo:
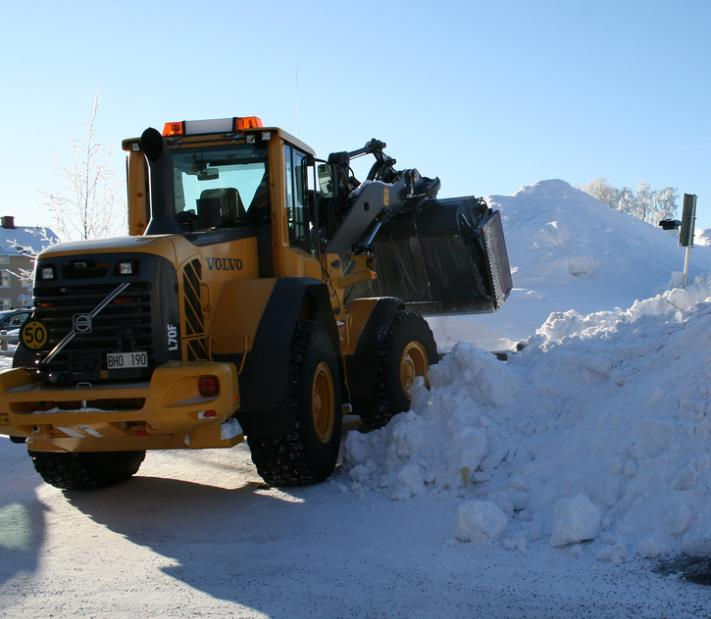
219 206
259 208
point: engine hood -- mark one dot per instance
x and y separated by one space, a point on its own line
162 245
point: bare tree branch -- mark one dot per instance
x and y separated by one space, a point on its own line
86 207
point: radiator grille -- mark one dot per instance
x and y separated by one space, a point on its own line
123 326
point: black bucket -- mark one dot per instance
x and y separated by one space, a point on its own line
443 257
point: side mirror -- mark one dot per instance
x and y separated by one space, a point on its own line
325 180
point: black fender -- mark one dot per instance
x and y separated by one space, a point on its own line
362 365
263 382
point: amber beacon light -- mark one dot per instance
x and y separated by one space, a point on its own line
217 125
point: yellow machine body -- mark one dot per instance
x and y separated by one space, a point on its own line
231 298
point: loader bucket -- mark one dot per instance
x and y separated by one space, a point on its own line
444 257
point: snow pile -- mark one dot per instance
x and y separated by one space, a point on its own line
568 250
480 521
600 429
574 520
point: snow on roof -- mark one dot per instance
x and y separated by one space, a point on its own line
25 240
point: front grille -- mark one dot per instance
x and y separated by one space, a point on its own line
123 326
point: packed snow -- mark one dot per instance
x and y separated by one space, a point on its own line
598 429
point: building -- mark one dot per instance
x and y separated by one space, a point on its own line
18 247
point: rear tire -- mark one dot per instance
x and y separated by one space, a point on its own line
407 351
86 470
307 453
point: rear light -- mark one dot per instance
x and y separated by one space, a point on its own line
174 128
248 122
207 414
208 386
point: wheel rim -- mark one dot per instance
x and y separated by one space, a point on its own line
413 363
323 402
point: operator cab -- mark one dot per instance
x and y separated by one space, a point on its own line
230 179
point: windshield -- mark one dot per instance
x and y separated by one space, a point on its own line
223 186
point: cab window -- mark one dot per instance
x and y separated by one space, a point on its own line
226 186
295 195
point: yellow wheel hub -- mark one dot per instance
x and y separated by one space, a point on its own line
413 363
323 402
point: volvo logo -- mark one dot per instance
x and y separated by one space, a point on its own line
81 323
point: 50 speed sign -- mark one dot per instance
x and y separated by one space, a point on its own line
34 334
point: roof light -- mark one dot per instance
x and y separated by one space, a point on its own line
214 125
211 125
174 128
248 122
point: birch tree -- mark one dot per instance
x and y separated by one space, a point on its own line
87 207
647 204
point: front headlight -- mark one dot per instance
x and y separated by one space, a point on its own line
127 267
47 273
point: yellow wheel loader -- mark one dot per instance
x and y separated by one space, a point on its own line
261 293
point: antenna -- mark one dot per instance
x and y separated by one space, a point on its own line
296 99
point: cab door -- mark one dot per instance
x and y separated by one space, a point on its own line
303 254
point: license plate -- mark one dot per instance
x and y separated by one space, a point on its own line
122 360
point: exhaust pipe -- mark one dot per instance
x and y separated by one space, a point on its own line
162 194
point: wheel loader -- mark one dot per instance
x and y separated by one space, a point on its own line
261 294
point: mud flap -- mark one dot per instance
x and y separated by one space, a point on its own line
444 257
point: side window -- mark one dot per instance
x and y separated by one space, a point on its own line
295 182
18 319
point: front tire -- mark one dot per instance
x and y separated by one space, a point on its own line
307 453
86 470
407 351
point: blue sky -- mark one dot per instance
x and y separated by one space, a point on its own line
489 96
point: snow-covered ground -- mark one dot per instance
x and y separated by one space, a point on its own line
195 535
550 485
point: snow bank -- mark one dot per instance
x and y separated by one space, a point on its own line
600 429
480 521
568 251
574 520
